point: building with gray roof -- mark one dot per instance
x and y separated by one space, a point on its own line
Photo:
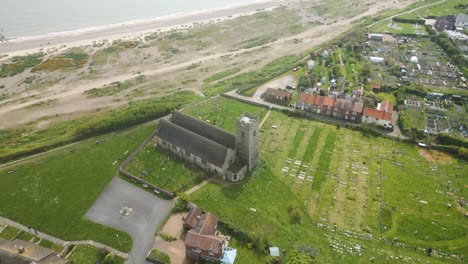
210 147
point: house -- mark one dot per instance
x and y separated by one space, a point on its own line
381 116
328 104
347 109
445 23
461 22
203 241
277 96
209 147
310 102
21 252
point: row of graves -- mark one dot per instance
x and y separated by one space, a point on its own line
412 60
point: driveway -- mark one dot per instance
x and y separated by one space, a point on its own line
148 213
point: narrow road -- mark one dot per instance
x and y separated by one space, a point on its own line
59 241
406 12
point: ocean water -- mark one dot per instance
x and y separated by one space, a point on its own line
20 18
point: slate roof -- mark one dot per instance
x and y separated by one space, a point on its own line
204 129
194 143
33 253
461 18
357 107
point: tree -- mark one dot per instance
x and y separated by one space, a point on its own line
297 257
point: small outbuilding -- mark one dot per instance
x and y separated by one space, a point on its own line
274 252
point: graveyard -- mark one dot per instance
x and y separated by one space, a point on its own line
353 198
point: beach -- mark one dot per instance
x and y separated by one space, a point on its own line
132 29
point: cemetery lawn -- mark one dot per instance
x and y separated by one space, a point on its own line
223 112
164 169
86 254
366 186
52 192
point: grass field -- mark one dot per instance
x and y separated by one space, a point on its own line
9 233
399 28
85 254
164 169
223 112
359 185
52 192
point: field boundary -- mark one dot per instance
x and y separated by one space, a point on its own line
137 179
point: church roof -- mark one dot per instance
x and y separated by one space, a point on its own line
204 129
192 142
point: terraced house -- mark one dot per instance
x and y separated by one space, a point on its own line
347 108
212 148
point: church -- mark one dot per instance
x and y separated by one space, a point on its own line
212 148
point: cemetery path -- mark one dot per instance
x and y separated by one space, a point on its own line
264 118
59 241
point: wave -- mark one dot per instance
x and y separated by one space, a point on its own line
139 22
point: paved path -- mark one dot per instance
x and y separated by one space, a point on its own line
59 241
148 213
406 12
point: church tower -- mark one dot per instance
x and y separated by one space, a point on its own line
247 138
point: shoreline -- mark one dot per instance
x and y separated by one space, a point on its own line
133 29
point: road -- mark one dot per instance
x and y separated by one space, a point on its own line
406 12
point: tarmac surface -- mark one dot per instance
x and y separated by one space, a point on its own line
148 213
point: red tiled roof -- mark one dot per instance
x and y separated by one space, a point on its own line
311 99
204 242
369 112
329 101
386 106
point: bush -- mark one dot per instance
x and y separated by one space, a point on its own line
167 238
109 259
158 255
19 64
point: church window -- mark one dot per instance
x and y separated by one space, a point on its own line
255 133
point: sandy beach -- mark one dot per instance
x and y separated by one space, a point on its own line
81 37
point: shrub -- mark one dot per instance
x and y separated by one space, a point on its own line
109 259
158 255
167 238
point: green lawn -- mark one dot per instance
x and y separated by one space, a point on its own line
224 112
85 254
52 192
9 232
338 177
165 170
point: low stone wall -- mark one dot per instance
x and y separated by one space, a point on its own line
245 100
139 180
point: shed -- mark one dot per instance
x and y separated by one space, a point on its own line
274 252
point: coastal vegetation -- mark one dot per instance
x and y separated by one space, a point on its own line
19 64
25 141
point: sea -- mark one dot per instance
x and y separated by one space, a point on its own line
28 18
